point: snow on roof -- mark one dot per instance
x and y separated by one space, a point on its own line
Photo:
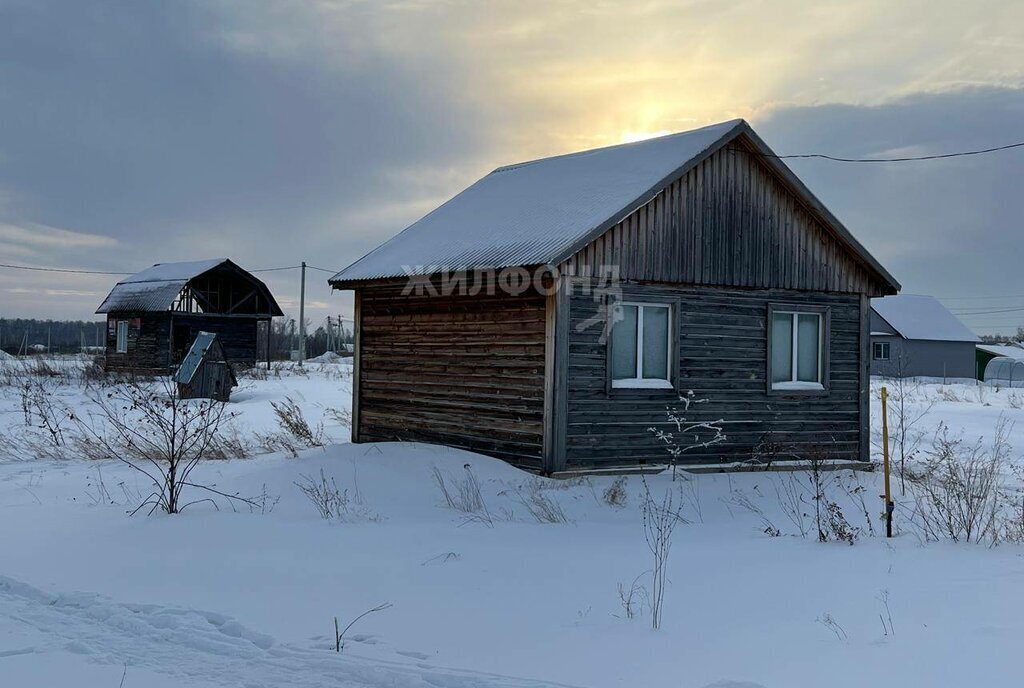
162 272
1003 350
921 317
155 288
533 212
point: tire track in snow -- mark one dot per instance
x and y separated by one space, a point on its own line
209 648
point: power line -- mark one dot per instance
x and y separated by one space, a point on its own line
313 267
287 267
77 272
910 158
107 272
985 312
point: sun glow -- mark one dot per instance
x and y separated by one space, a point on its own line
634 136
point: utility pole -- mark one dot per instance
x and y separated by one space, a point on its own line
330 334
302 316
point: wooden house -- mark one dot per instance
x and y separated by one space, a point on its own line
550 313
154 316
205 372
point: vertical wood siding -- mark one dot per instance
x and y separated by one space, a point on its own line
721 340
464 371
730 221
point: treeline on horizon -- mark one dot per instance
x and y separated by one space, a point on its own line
33 335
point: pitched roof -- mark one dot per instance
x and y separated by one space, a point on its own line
156 287
1003 350
542 212
921 317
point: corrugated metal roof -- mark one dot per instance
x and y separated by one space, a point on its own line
922 317
534 212
155 288
187 370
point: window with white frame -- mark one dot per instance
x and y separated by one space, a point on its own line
641 345
881 351
797 342
122 337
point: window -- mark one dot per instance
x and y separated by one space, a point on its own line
122 337
881 351
641 345
797 350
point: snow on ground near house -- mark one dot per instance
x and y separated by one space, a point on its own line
248 597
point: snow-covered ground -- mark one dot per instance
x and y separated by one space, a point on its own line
247 596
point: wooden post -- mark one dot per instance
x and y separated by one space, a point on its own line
889 505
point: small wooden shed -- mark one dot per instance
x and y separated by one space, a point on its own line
205 373
548 314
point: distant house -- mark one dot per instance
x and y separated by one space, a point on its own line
154 316
987 352
551 312
915 336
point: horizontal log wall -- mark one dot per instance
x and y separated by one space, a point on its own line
149 345
730 221
721 338
464 371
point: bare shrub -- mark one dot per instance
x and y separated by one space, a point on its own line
160 435
957 496
689 435
659 521
342 417
543 508
742 500
332 502
463 494
632 598
293 422
615 495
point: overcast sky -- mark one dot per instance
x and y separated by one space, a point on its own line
275 132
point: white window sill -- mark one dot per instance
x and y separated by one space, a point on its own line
641 384
798 386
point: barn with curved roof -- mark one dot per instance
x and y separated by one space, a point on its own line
154 316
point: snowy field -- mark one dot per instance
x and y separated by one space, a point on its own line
532 586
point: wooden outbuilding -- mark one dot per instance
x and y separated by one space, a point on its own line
552 311
154 316
205 372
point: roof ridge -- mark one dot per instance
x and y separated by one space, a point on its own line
614 146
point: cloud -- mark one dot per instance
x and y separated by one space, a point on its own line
281 131
951 227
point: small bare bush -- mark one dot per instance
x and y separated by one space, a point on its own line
543 508
632 598
615 495
956 494
332 502
293 422
689 435
463 494
160 435
659 521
